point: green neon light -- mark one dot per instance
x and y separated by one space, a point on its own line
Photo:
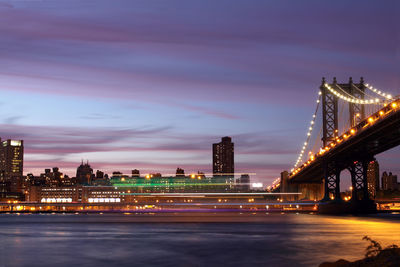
168 185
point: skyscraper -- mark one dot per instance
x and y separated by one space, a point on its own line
223 157
373 178
11 164
389 182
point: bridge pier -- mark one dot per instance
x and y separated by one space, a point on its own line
359 181
331 181
360 201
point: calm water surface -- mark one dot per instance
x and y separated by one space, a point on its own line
188 239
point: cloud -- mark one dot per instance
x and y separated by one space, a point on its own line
12 119
99 116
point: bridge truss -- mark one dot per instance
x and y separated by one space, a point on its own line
331 165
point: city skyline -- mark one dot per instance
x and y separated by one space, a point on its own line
154 87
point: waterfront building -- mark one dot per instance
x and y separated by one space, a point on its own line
223 157
155 183
373 178
11 165
389 181
76 194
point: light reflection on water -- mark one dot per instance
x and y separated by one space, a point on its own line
188 239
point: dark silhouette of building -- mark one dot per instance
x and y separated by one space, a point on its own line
243 183
135 173
223 157
389 181
99 174
373 178
11 165
50 178
84 174
180 172
100 179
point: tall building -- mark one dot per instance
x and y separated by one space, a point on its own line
84 174
223 157
389 181
373 178
11 164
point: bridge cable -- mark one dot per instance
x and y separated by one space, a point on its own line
351 99
375 107
308 132
376 91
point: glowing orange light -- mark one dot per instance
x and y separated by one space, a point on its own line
394 105
352 131
370 119
381 112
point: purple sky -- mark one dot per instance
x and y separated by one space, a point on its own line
152 84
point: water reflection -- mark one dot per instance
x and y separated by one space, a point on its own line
188 239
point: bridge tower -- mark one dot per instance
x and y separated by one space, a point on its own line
329 134
332 169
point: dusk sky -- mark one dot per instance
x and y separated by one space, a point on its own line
152 84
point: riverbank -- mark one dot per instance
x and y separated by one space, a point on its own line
376 256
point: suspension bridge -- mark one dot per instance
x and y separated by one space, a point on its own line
358 122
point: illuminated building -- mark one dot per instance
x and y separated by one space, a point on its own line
155 183
373 178
84 174
389 181
11 165
223 157
76 194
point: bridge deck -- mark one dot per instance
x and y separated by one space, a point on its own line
376 134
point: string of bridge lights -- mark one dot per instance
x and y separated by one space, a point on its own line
378 92
350 99
309 132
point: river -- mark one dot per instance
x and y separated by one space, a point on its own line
183 239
